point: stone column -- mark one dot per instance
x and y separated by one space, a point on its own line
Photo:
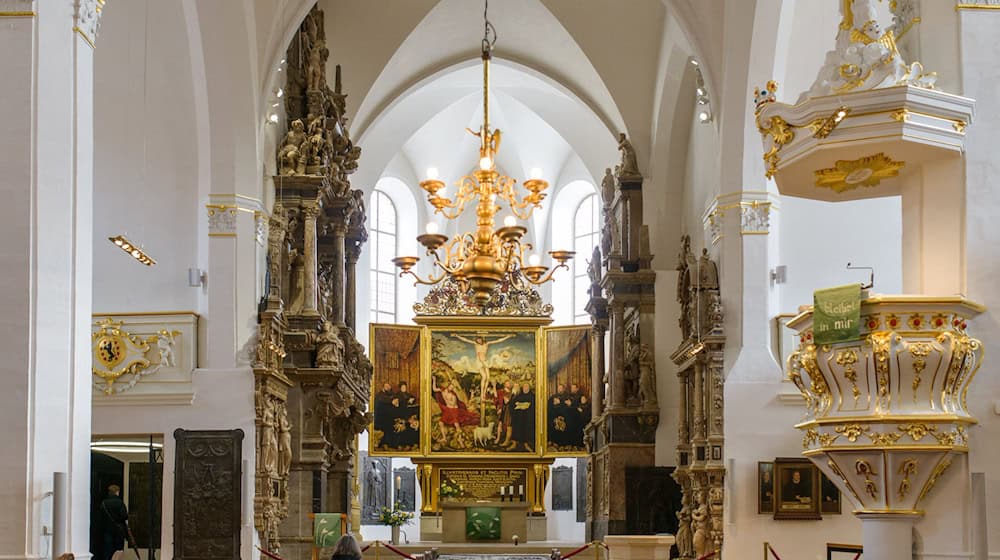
353 251
597 370
310 211
683 429
47 245
699 402
337 277
617 355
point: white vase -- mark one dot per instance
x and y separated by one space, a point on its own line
395 534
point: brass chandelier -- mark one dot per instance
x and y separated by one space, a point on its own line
479 260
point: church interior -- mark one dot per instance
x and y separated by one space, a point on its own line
637 280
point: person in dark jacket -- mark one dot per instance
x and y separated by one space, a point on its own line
114 522
347 549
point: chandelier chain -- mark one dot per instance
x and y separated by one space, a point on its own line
489 32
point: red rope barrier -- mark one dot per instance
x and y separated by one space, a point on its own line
709 555
775 554
576 551
365 548
397 551
856 556
270 555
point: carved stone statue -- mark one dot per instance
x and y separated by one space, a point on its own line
290 158
315 67
608 188
284 443
358 215
268 442
629 166
866 56
594 271
329 348
701 524
647 377
685 547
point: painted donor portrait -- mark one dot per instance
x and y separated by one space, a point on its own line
482 390
567 399
396 397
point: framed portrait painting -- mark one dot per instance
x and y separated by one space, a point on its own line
797 494
395 401
567 389
482 391
829 496
765 487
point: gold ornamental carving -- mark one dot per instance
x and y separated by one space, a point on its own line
852 431
914 367
118 353
864 468
847 175
907 469
917 431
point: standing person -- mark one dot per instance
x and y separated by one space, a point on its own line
523 420
346 549
114 523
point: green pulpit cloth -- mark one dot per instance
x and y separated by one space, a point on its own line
327 528
482 523
837 314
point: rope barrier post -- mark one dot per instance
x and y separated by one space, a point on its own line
377 544
765 550
597 550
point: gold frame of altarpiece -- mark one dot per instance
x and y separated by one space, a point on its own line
536 477
428 326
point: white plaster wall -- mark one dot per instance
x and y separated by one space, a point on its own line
224 400
562 525
818 239
702 174
980 74
145 172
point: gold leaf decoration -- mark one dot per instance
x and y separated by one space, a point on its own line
848 175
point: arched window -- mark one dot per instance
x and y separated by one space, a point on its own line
382 236
586 236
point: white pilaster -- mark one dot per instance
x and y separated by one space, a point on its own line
741 223
46 157
233 272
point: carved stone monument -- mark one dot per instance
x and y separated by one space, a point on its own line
700 470
313 378
207 495
622 301
404 484
562 488
375 492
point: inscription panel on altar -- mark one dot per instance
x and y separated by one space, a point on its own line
493 484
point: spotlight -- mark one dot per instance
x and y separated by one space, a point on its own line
704 117
133 251
272 118
694 62
280 92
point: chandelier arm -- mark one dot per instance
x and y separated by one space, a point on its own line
548 275
418 280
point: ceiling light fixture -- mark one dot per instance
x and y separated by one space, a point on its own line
134 251
480 260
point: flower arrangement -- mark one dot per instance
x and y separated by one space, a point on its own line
449 489
394 517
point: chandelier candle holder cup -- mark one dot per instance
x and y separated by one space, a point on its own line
479 260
